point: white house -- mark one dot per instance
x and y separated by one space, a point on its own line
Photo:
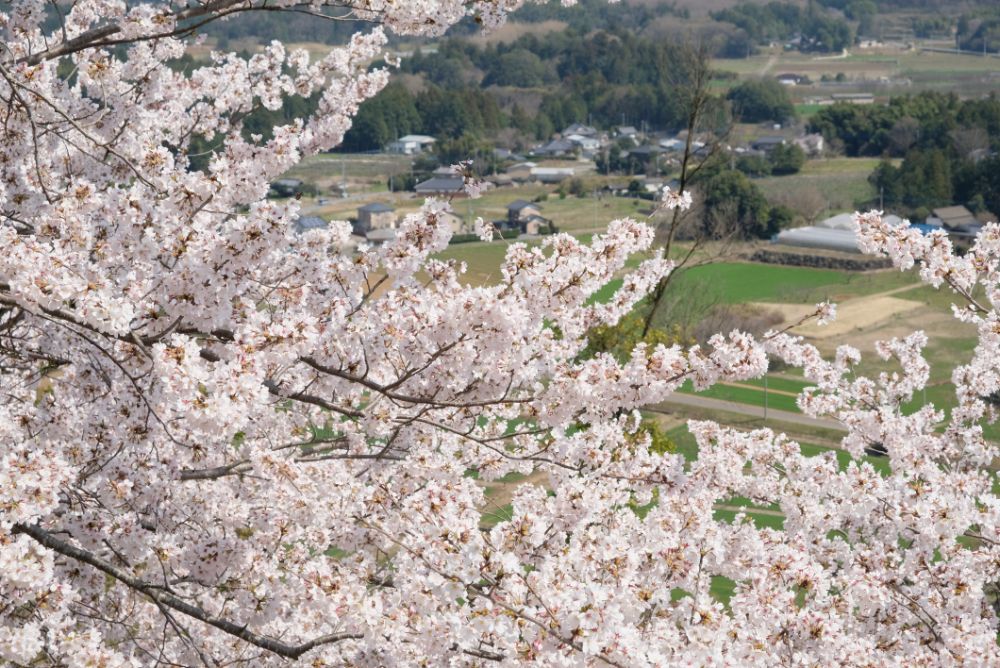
584 142
410 144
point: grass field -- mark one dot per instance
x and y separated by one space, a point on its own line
885 72
741 282
842 183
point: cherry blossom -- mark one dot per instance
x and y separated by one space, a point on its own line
226 443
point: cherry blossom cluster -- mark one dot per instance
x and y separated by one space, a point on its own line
225 443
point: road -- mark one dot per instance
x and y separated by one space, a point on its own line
678 400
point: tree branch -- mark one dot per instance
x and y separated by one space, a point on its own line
168 600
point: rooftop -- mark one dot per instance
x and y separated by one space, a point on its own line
376 207
519 204
441 184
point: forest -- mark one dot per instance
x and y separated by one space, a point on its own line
947 145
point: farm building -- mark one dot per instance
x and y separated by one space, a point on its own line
845 221
853 98
789 79
825 238
552 174
375 216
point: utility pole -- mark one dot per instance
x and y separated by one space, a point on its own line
765 398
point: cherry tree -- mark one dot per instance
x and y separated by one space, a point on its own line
226 443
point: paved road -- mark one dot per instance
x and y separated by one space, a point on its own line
677 400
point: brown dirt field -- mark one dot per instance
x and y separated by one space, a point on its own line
513 29
852 315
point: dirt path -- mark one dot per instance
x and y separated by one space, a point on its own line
747 386
766 67
749 509
708 403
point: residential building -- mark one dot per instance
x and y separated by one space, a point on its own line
767 144
811 144
442 185
585 143
379 237
306 223
628 132
954 217
520 210
579 129
410 144
375 216
557 148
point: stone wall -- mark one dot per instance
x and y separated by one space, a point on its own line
820 261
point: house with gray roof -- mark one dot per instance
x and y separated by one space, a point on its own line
375 216
442 185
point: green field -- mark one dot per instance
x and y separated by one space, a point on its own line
841 184
742 282
897 71
746 395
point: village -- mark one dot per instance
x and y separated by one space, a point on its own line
575 164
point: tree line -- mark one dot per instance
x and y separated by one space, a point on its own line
948 148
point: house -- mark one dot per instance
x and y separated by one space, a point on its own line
521 171
410 144
375 216
306 223
954 217
286 187
767 144
442 185
854 98
520 210
672 144
627 132
379 237
585 143
789 79
536 225
811 144
453 221
556 148
552 174
500 180
645 152
580 129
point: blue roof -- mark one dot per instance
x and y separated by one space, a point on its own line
924 229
